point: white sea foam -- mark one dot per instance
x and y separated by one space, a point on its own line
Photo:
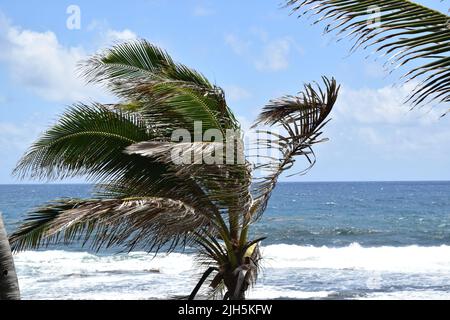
52 261
270 292
289 271
396 259
409 295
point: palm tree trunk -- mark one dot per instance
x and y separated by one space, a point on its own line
236 286
9 285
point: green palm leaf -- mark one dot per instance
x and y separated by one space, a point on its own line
137 60
88 140
166 90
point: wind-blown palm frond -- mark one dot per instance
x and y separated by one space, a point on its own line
137 60
167 92
148 222
180 153
88 140
302 117
407 33
226 184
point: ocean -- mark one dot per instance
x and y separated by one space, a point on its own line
341 240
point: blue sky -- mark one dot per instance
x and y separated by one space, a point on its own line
252 48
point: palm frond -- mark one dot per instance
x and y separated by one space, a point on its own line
408 34
302 118
90 141
136 60
180 153
170 96
172 105
87 140
148 222
169 93
226 185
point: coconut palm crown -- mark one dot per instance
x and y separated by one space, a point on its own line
146 199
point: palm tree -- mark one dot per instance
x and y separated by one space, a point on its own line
9 286
145 198
410 36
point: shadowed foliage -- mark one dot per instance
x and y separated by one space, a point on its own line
146 199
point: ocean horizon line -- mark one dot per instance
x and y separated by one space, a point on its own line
284 182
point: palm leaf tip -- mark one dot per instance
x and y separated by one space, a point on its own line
302 118
313 102
408 34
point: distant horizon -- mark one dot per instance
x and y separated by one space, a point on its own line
317 181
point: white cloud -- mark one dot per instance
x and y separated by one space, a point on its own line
239 46
265 53
260 33
40 63
236 93
383 105
275 56
406 141
106 35
375 70
114 35
202 11
377 120
15 137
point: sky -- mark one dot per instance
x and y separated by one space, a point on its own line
253 49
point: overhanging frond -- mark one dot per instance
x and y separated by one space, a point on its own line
408 34
226 184
181 153
147 222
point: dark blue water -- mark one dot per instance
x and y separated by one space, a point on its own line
17 200
331 214
369 213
